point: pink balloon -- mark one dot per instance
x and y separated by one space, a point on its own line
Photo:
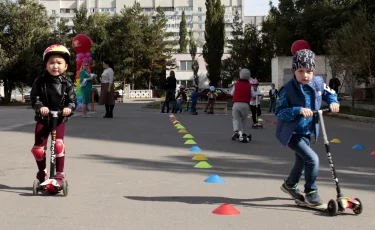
80 55
90 59
85 59
87 54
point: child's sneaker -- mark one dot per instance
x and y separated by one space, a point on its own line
313 198
294 192
60 177
244 138
235 136
42 176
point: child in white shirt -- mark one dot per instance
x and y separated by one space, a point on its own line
255 101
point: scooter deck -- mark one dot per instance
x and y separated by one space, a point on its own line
322 207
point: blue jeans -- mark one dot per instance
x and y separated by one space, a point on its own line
169 97
306 160
193 106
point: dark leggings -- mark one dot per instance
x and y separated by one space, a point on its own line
254 112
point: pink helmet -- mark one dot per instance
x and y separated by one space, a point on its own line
254 82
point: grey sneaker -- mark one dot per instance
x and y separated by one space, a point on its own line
293 192
313 198
235 136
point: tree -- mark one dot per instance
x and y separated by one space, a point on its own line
62 34
157 52
214 35
193 53
238 55
183 34
80 21
252 48
353 46
26 28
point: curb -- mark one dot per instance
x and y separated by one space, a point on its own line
352 117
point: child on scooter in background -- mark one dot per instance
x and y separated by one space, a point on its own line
52 92
194 100
297 123
255 101
211 96
241 93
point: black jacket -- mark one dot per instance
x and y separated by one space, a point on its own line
54 93
171 83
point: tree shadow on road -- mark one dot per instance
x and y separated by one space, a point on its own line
259 168
264 157
19 190
246 203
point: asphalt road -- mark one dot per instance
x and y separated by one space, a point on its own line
135 172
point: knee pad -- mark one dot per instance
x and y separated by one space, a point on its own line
38 152
60 148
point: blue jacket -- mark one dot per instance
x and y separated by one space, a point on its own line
292 97
194 97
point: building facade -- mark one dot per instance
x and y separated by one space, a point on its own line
195 11
184 73
254 20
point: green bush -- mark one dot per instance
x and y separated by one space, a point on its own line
357 111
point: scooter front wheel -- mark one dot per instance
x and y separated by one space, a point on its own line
36 187
358 210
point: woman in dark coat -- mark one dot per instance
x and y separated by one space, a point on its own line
107 90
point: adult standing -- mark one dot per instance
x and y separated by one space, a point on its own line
170 87
334 84
107 89
86 87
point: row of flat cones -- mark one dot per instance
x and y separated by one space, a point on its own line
224 209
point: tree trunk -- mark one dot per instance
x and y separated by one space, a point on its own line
149 82
7 92
372 85
133 79
353 91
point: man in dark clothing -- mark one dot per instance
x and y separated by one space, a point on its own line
170 88
334 84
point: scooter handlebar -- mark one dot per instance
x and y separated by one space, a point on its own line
323 110
53 113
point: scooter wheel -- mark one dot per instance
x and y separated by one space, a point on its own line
332 207
359 208
65 188
249 137
36 187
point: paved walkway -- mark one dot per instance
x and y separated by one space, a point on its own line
134 172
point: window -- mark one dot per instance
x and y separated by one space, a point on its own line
185 65
200 26
200 18
53 11
199 9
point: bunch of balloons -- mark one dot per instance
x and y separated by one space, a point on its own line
82 45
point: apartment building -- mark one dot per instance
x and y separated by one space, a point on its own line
195 11
254 20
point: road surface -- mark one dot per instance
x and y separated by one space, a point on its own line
135 172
